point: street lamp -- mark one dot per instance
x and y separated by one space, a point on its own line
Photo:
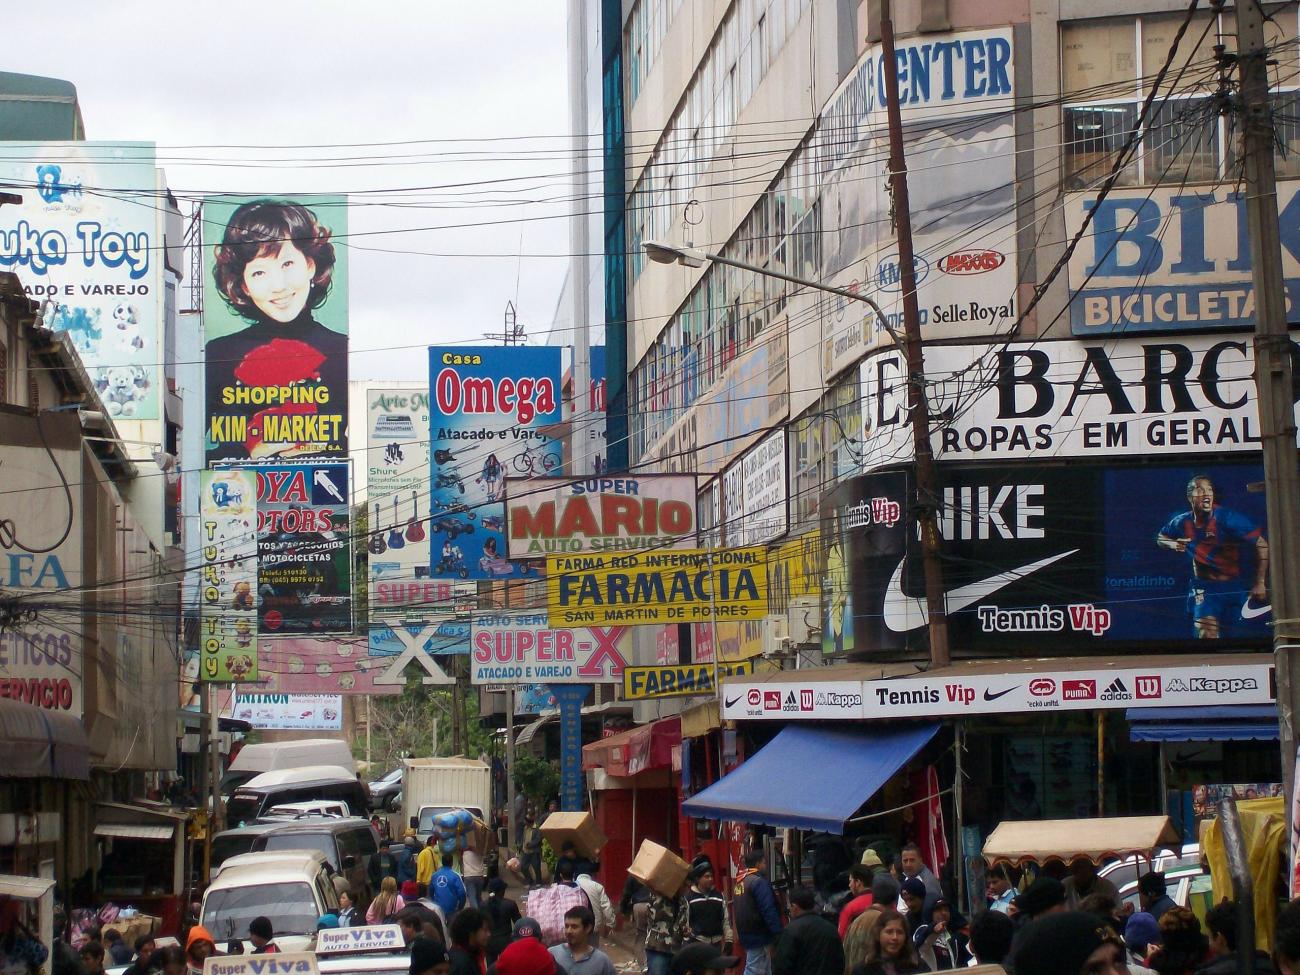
926 503
662 253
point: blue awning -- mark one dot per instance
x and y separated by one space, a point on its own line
1239 722
810 778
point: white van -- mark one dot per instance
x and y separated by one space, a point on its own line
311 783
268 757
291 887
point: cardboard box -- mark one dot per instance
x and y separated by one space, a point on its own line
659 868
578 828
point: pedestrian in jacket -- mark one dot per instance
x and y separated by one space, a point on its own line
706 911
890 950
666 933
810 944
530 859
940 938
602 908
1221 921
446 889
758 922
884 893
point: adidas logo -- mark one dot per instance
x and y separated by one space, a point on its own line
1116 691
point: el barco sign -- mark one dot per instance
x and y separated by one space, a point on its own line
548 516
1055 399
1013 693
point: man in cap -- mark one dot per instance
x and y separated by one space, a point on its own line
1152 896
706 911
911 898
526 927
526 955
809 945
1083 881
1070 943
701 959
860 889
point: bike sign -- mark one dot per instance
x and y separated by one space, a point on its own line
488 408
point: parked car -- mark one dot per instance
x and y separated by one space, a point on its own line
300 810
346 844
253 760
232 842
386 792
292 888
256 796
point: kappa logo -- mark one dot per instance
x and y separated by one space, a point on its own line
1116 690
1148 686
1177 686
1223 685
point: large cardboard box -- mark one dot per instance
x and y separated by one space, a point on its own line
659 868
578 828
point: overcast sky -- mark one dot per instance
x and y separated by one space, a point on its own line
288 73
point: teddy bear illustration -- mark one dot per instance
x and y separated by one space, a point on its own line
126 321
243 596
240 666
120 391
243 633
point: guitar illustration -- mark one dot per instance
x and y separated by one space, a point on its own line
414 527
376 546
395 539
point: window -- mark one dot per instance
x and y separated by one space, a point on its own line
1107 67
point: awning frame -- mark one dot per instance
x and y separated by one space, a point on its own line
1116 837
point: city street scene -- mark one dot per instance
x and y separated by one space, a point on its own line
650 487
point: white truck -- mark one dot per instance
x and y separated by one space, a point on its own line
432 786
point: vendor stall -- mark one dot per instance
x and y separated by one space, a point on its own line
26 909
142 861
1113 838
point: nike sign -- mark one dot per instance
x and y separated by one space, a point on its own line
903 612
1249 612
990 696
731 702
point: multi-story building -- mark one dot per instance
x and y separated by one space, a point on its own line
1087 374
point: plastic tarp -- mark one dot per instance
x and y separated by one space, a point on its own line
135 831
810 778
1243 722
637 750
1066 839
42 744
1264 828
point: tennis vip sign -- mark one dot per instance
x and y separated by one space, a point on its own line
1046 690
522 648
684 680
546 516
688 586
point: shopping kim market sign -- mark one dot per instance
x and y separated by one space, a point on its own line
546 516
488 409
523 648
651 588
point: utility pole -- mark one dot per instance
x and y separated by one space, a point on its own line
927 482
1272 372
511 823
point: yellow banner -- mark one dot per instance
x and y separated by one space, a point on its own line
793 569
653 588
677 680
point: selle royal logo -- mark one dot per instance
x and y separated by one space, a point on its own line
525 397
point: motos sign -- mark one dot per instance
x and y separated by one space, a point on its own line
1039 400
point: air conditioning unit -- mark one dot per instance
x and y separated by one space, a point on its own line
776 635
805 620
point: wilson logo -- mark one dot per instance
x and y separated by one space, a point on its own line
971 262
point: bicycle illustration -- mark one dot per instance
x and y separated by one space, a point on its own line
534 459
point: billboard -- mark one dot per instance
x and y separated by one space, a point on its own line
41 659
488 409
304 549
289 712
679 680
1043 400
545 516
1042 690
522 648
307 666
1057 559
228 619
403 581
763 513
644 589
275 317
433 635
1172 260
961 181
97 253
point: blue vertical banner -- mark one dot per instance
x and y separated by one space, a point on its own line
570 698
489 410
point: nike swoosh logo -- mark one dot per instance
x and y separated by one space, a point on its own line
993 697
903 612
1249 612
731 702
